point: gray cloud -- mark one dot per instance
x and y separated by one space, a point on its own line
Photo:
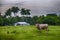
38 7
0 2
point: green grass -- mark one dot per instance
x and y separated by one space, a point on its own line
29 33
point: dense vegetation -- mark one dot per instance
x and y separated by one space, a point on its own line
29 33
51 19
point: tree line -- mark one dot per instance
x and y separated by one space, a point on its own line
51 19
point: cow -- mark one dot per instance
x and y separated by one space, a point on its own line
42 26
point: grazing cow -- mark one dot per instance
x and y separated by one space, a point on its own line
42 26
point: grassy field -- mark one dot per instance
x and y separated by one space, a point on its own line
28 33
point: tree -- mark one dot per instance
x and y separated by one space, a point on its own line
0 13
49 20
1 21
25 12
35 18
13 20
14 9
51 14
10 21
8 12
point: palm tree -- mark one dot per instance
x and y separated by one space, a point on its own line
28 12
8 12
25 12
15 10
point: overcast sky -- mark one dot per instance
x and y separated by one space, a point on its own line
38 7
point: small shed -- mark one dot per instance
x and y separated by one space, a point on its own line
21 23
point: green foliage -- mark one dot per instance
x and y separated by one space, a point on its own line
30 20
14 9
51 19
53 14
13 20
8 12
0 13
1 21
25 11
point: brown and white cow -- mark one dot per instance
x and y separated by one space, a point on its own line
42 26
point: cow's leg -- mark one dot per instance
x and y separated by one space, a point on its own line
40 29
47 30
